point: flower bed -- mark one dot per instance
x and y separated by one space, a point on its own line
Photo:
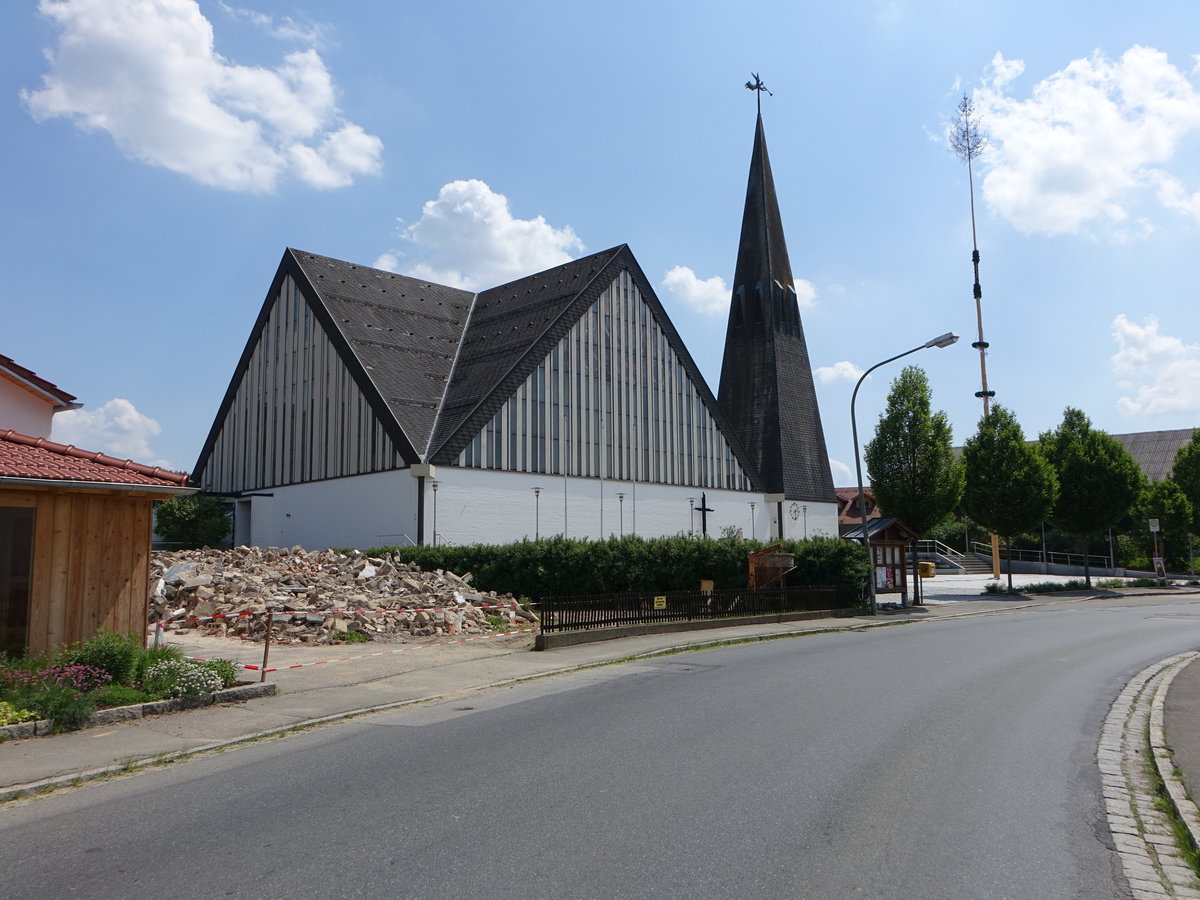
106 671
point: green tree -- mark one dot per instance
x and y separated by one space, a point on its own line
1098 479
1165 501
1186 473
1010 485
193 520
914 473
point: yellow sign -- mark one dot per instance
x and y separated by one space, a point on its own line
660 602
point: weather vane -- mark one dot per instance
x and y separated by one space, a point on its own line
758 87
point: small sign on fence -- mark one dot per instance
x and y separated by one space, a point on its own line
660 602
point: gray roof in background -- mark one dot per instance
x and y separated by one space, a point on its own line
1155 450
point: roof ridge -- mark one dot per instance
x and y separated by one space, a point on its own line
612 254
95 456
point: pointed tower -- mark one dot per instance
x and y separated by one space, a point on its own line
766 381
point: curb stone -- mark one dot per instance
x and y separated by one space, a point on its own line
1141 833
114 714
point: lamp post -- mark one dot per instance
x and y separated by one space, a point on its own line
621 506
944 340
691 516
434 484
804 509
753 534
537 509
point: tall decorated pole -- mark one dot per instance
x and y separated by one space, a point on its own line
968 140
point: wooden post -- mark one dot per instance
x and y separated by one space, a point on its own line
267 644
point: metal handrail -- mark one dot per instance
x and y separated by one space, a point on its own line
932 546
1051 556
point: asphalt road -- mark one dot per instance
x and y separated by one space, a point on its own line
951 760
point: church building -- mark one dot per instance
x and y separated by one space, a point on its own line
370 408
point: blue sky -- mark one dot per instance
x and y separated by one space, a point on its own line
159 155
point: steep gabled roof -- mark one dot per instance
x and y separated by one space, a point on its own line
512 328
396 335
23 457
403 333
435 362
36 385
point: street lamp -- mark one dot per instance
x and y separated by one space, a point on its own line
944 340
434 484
621 506
805 510
537 510
691 516
753 534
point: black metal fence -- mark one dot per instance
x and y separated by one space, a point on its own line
606 610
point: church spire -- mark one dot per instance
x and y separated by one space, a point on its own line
766 380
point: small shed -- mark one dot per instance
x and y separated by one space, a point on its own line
890 542
75 531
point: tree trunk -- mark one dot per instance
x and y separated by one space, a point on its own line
1087 569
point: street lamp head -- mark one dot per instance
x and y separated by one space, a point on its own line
944 340
537 491
434 485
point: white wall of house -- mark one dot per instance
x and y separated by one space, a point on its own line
24 412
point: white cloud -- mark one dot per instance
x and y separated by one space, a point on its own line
839 371
1161 372
389 262
707 296
1090 143
116 428
473 241
146 72
842 473
711 296
285 29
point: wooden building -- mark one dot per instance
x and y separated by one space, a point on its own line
75 532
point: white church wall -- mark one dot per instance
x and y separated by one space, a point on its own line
481 506
360 511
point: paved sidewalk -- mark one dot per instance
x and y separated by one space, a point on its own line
339 689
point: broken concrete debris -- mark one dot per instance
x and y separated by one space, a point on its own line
320 596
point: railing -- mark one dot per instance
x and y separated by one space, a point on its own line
930 546
607 610
1064 559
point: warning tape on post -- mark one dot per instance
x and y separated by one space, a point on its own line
322 662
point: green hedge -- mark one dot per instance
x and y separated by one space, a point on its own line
558 566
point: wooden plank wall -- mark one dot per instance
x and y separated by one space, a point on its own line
91 564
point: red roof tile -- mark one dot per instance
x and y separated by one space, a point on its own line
22 456
29 379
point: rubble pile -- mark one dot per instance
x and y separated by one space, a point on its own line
319 597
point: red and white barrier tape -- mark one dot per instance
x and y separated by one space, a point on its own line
322 662
281 613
